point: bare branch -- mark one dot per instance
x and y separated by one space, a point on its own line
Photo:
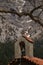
24 13
35 19
35 9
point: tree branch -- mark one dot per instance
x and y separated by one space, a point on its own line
35 9
23 13
35 19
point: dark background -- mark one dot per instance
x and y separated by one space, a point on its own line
38 48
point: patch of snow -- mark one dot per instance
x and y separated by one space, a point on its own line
29 21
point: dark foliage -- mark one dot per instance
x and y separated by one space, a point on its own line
6 52
38 49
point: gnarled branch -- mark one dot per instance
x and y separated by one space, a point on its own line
24 13
35 9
